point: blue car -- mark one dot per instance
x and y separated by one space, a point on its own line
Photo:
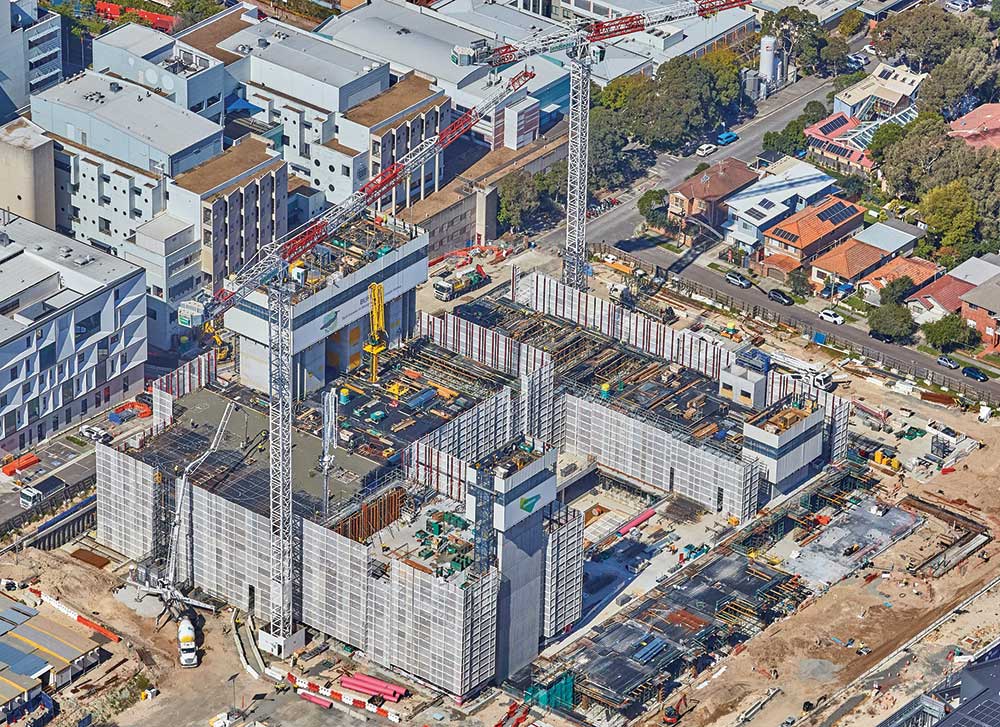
975 374
726 138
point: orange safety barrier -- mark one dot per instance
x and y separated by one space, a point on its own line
141 410
21 463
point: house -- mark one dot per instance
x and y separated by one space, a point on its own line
888 90
980 128
893 237
981 310
918 270
846 263
703 196
787 186
807 234
977 270
841 141
938 299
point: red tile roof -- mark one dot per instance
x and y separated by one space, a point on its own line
824 134
849 260
782 262
980 127
916 269
946 291
718 181
811 224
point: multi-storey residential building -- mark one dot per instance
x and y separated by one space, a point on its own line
116 143
30 53
176 71
72 331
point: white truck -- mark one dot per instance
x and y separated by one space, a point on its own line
815 375
187 647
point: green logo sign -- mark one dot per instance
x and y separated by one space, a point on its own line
528 503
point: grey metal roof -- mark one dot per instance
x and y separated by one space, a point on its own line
889 238
13 616
21 660
136 39
985 295
133 111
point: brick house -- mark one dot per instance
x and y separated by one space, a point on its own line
919 271
703 196
846 263
981 310
938 299
799 239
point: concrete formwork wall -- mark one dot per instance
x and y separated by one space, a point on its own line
481 344
538 411
335 584
479 630
643 453
562 590
126 502
438 460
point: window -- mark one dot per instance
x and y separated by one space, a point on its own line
13 374
316 162
104 225
152 314
345 170
198 106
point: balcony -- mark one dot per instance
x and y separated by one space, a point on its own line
51 68
44 48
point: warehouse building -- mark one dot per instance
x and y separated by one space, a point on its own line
72 331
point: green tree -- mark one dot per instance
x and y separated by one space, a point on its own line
799 33
853 186
924 35
650 205
967 72
518 198
924 158
814 111
995 13
609 167
896 291
949 333
724 65
850 23
551 184
833 54
950 213
798 281
892 320
702 166
616 94
679 107
193 11
884 137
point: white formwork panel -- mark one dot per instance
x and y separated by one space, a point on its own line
126 502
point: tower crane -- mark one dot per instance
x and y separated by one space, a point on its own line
377 337
269 268
581 44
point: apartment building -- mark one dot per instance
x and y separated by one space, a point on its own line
174 70
72 331
30 53
116 143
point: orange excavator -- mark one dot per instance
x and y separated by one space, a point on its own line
673 714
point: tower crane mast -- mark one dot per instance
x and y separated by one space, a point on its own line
578 42
269 268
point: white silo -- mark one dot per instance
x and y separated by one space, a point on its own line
768 59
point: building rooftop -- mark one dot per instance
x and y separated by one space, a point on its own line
207 35
977 270
401 96
238 470
233 162
777 193
916 269
132 110
890 236
291 48
825 10
946 291
850 259
23 134
980 127
36 259
831 216
985 295
718 181
891 83
163 226
682 37
825 136
159 48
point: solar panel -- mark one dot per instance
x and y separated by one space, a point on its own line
832 126
885 74
988 711
785 235
839 150
755 213
829 212
766 203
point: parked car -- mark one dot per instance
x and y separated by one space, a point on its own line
831 316
958 6
780 296
870 50
95 434
726 138
947 361
735 278
879 336
862 58
975 374
706 149
827 292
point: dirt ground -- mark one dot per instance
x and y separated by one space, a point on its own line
143 648
882 615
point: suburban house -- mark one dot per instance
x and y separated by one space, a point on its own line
918 270
894 237
786 187
702 197
981 310
841 141
846 263
938 299
977 270
887 91
801 238
980 128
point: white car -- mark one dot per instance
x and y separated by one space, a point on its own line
95 434
831 316
860 58
869 49
705 149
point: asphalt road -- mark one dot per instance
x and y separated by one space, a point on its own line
618 226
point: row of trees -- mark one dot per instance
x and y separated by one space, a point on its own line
812 48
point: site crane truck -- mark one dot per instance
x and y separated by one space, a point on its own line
187 645
455 285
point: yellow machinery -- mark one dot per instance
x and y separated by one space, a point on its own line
223 348
377 338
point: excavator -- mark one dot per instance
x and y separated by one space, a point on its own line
222 348
672 713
